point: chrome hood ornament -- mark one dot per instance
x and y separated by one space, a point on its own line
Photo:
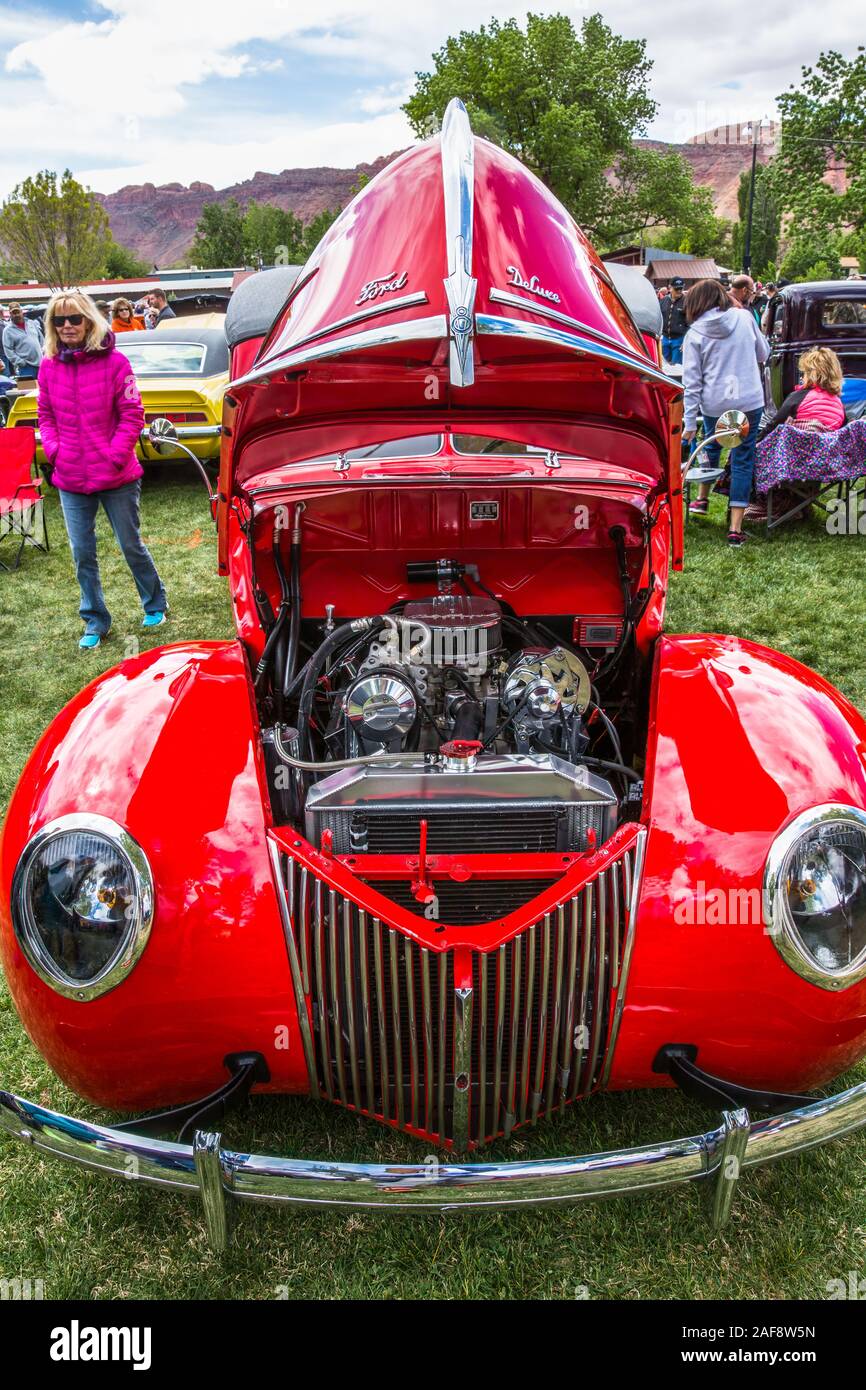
458 181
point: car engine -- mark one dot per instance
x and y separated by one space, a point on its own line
451 712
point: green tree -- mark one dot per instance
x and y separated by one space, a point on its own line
568 104
654 190
122 264
766 220
219 235
55 229
819 173
275 236
314 231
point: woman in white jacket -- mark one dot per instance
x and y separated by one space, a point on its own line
722 356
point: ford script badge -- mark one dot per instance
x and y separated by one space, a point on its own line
383 284
532 284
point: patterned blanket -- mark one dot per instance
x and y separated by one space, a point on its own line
793 454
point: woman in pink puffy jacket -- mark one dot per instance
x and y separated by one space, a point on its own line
90 417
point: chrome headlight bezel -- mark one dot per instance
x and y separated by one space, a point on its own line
136 933
778 920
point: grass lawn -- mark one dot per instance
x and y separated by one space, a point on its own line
794 1225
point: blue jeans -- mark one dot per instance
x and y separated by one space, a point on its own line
672 351
741 459
121 506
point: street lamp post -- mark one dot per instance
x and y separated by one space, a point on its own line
747 244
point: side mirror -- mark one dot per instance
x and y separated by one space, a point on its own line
162 435
731 429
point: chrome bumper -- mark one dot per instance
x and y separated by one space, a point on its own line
182 432
216 1173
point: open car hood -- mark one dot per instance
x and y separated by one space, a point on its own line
454 291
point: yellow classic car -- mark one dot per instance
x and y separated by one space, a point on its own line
181 368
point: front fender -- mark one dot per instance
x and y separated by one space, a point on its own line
742 739
165 744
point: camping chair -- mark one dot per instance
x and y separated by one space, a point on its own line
808 466
22 505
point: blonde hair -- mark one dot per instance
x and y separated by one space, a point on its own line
74 302
821 367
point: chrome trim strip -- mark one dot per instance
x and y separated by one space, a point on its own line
446 1186
429 1063
294 968
458 190
559 970
600 993
519 301
736 1125
136 933
568 1032
509 1117
322 1025
406 331
380 306
443 479
582 1032
557 337
181 432
499 1039
483 974
443 1033
207 1156
635 872
777 918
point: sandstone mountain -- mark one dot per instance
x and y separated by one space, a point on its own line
158 222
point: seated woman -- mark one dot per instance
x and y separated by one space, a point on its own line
816 401
124 319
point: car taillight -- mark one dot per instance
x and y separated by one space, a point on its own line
178 417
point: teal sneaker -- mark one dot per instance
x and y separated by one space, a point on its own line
89 641
153 620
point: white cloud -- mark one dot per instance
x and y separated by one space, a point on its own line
131 93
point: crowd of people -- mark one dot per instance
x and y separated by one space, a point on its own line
716 332
23 337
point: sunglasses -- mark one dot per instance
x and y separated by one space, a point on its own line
59 319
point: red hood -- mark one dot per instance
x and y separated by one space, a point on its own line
453 289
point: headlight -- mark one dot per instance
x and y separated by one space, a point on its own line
82 904
815 895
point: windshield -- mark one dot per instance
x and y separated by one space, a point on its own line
149 358
844 313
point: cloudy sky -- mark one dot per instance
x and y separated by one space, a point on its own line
125 91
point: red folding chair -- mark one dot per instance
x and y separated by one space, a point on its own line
22 505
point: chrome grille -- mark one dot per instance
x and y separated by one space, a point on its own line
459 1045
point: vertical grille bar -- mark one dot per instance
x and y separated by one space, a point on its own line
393 946
499 1039
614 925
379 971
443 1036
462 1066
321 996
558 974
408 949
567 1056
599 994
528 1002
542 1018
336 1004
304 928
349 981
366 1016
429 1065
483 973
516 951
582 1044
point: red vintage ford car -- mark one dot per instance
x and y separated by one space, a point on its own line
452 835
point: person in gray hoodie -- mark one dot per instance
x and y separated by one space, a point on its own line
22 343
723 352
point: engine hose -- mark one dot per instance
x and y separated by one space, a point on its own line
291 661
335 764
273 642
